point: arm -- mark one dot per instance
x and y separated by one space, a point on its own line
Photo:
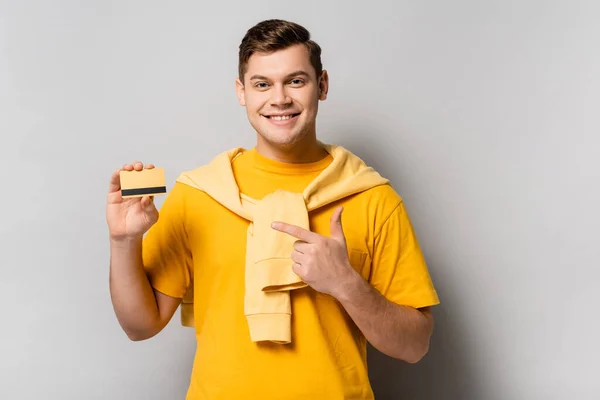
398 331
399 277
141 311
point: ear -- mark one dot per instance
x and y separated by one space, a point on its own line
323 85
239 89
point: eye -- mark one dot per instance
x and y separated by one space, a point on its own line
261 85
297 82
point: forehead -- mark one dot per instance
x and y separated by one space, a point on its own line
279 64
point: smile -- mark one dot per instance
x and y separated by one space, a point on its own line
281 119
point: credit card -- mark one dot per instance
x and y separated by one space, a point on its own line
147 182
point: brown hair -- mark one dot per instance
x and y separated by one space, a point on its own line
275 34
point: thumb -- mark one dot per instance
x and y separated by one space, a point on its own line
147 202
337 231
149 209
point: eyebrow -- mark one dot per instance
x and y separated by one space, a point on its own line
288 76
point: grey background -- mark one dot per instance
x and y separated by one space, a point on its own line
484 114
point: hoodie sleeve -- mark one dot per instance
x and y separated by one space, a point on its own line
399 270
166 254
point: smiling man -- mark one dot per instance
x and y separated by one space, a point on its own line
286 258
281 91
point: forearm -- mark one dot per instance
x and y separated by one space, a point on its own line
397 331
132 295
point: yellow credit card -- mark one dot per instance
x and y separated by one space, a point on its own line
147 182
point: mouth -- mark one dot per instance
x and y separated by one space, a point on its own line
281 118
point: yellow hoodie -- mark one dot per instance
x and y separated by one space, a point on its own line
268 275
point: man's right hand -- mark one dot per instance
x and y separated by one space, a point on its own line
141 310
128 218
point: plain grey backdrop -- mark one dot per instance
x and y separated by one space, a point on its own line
484 114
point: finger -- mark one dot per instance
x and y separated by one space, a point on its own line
301 246
298 269
149 166
298 257
130 167
115 181
296 231
138 165
337 231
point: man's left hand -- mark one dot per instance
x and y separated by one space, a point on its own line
320 261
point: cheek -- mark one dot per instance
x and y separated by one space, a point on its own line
310 102
250 100
255 105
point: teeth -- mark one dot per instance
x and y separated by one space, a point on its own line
281 118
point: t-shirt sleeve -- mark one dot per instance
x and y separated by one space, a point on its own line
165 251
399 270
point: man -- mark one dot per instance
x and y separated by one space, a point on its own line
353 265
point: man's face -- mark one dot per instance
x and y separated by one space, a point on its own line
281 93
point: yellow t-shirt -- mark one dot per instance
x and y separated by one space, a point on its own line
196 236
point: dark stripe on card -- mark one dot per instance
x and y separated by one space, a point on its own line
144 191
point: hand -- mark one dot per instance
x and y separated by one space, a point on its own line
128 218
322 262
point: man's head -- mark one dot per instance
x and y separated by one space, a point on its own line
281 81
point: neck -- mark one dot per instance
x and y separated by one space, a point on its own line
303 151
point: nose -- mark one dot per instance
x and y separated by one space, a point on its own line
280 96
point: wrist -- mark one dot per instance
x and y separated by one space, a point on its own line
125 241
349 287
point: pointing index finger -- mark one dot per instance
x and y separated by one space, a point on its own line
295 231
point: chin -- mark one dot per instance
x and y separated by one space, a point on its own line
281 139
